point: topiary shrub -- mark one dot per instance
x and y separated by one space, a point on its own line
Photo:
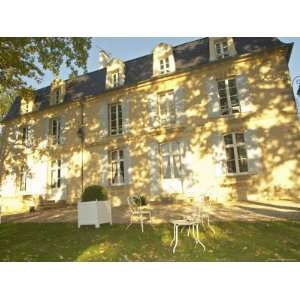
94 192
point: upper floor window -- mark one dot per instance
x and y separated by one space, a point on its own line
167 109
164 65
116 79
236 153
23 179
26 106
115 119
222 48
55 174
55 131
228 95
171 160
117 167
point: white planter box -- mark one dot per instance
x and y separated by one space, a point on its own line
94 213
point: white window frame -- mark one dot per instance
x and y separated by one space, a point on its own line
23 179
235 146
171 155
55 174
222 44
116 167
118 118
164 65
229 108
116 78
168 99
55 136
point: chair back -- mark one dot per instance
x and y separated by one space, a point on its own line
132 204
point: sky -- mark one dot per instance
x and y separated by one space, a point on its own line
127 48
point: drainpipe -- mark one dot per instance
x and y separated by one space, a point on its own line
81 136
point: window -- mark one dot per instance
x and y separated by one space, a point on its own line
228 95
164 65
117 167
167 109
55 131
171 160
236 153
57 95
55 174
222 49
25 135
115 119
116 79
23 179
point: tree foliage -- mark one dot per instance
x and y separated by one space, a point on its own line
30 57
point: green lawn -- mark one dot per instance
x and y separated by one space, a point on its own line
233 241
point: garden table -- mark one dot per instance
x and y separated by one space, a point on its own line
189 224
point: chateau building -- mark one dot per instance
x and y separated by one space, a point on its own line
215 116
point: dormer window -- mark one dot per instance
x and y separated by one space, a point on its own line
164 65
26 106
222 48
163 60
115 73
57 92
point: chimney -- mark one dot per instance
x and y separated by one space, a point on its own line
104 59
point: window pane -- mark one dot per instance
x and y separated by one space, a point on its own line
176 166
221 84
166 167
231 168
229 153
165 149
239 137
122 176
114 155
228 139
114 172
243 165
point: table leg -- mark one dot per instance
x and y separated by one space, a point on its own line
142 222
176 238
174 235
198 240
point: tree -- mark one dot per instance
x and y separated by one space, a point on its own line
30 57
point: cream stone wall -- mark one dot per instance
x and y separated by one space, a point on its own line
268 117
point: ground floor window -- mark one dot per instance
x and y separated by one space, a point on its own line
236 153
117 167
171 160
55 174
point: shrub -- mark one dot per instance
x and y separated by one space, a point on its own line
140 200
93 192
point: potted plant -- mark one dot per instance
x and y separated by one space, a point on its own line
140 200
94 207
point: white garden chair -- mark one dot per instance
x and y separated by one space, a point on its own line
138 211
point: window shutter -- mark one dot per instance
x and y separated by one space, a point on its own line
253 151
125 115
104 167
213 105
243 93
103 119
64 179
62 130
153 112
219 156
128 168
154 168
180 105
46 132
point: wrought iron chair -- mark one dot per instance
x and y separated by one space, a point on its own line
138 211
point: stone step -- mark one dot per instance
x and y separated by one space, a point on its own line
48 204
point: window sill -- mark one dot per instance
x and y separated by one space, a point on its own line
240 175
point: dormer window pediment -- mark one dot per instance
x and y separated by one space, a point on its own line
220 48
163 60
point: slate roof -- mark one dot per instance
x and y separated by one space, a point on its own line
186 55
